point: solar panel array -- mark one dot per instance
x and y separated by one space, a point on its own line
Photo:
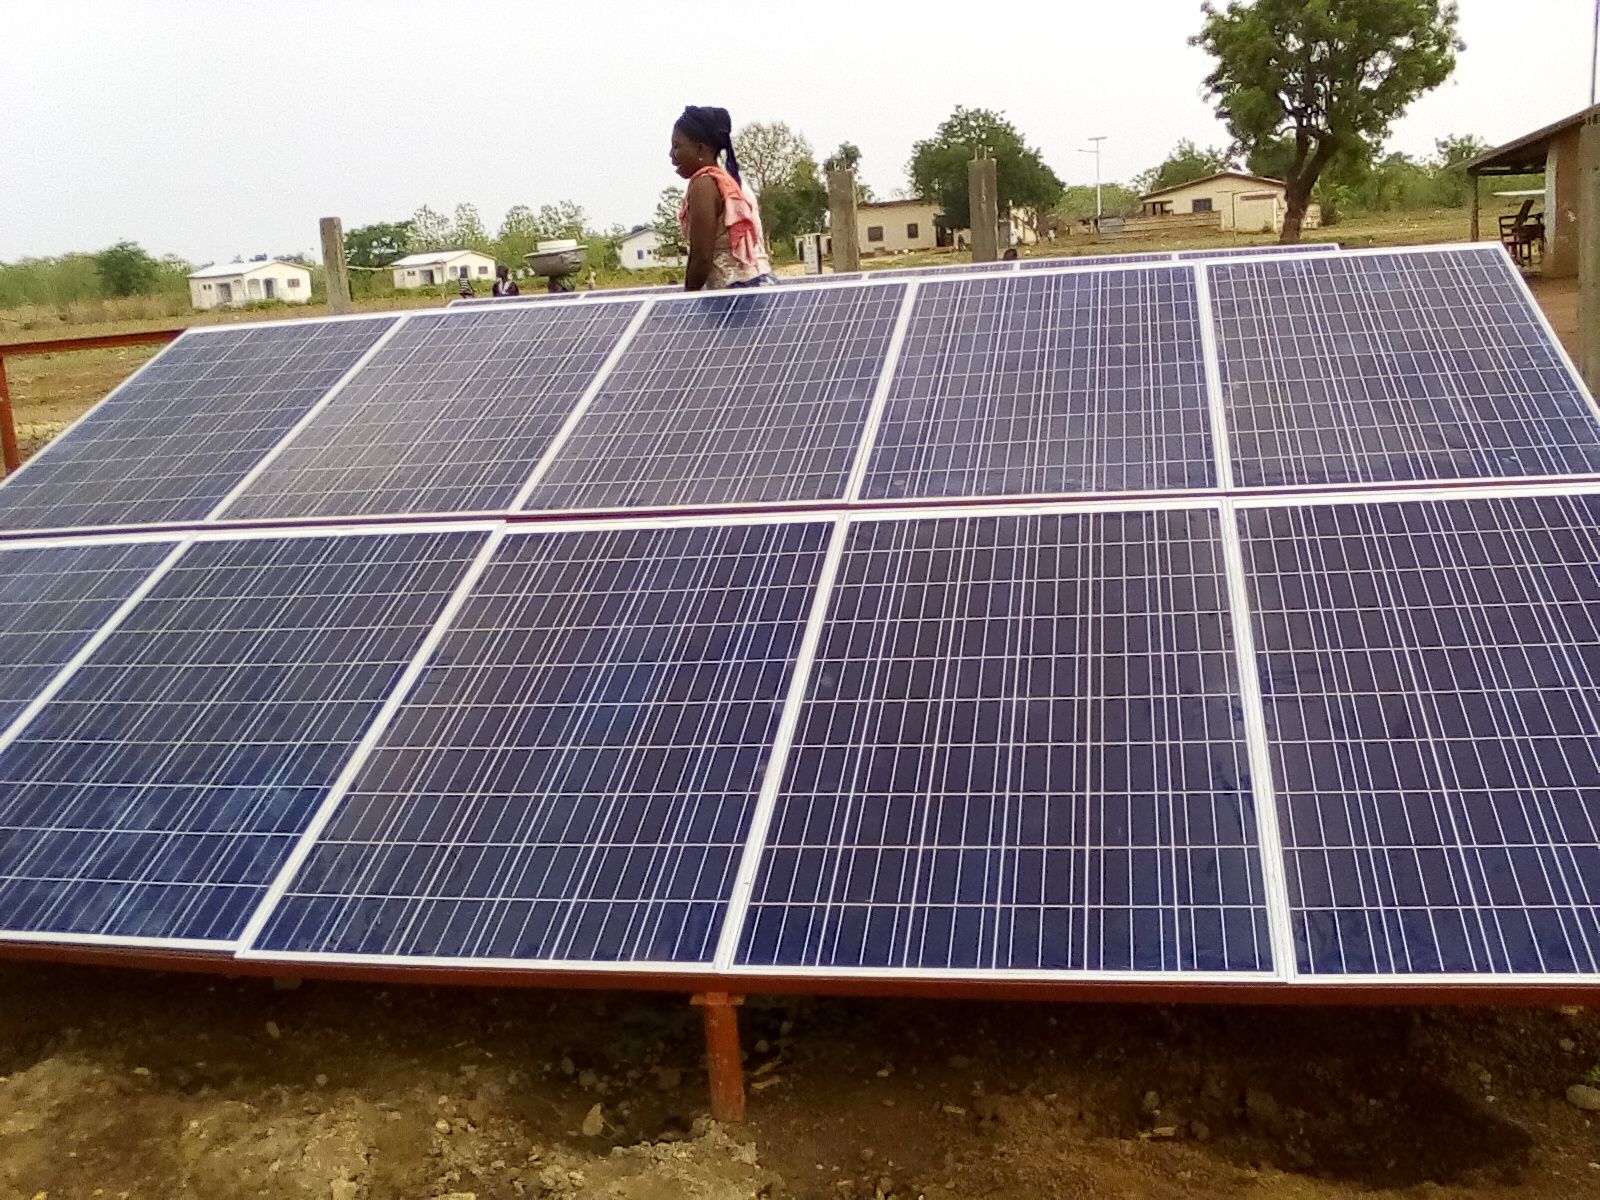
1089 624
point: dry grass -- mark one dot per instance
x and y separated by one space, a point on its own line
1388 229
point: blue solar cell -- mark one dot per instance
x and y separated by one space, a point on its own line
159 791
1048 384
573 777
1431 677
737 397
1393 367
1020 749
175 439
52 600
451 415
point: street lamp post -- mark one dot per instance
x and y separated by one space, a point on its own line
1099 210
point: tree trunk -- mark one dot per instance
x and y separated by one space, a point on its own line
1298 198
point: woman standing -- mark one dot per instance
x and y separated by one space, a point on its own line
720 221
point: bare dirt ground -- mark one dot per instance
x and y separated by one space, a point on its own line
120 1084
146 1087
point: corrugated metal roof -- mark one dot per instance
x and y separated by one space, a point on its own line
430 257
223 270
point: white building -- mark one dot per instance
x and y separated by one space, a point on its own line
437 266
1235 201
641 249
239 283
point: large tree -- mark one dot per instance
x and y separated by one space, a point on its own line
769 152
938 166
1333 75
796 205
430 230
126 269
1185 164
377 245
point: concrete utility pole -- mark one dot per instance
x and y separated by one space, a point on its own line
1589 253
333 265
983 203
842 221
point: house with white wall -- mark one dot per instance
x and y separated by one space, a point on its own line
640 249
433 267
232 285
1236 201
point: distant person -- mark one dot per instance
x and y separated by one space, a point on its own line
466 289
504 285
1010 255
721 224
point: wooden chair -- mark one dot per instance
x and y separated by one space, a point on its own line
1523 234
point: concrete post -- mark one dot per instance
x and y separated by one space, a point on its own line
1589 254
842 221
983 202
333 264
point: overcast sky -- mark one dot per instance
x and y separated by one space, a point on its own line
215 128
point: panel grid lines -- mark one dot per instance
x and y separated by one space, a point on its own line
171 442
740 398
1048 385
157 791
1431 679
52 600
572 778
1018 751
450 416
1392 368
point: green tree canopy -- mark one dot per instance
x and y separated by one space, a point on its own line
126 269
1332 75
846 158
430 230
797 205
769 152
938 166
668 230
377 245
467 231
1185 164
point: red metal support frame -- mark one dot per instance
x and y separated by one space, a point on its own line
724 1057
10 450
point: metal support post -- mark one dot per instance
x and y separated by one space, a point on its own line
10 452
724 1058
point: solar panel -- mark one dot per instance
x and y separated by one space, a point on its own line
572 778
451 415
1092 260
1039 384
737 397
1431 676
1394 368
664 289
173 440
51 600
968 268
1018 751
155 795
1251 251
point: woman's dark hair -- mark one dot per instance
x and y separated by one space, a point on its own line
710 127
